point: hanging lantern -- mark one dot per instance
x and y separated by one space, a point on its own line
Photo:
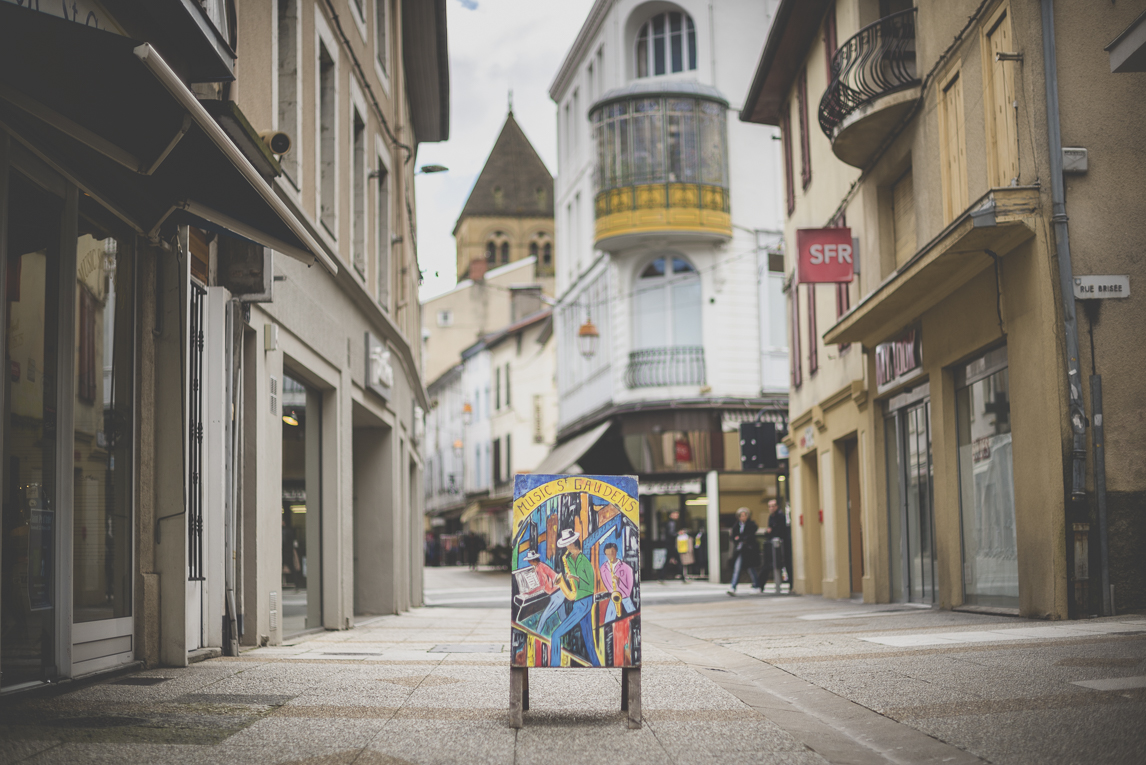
587 339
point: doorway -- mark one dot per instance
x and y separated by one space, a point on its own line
910 503
855 513
301 507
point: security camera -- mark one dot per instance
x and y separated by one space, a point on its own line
277 140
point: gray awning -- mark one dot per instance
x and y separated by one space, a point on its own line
565 456
110 114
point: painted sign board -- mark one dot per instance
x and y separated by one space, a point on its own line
898 360
575 559
1101 287
825 255
379 367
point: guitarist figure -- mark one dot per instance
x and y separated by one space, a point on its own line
576 583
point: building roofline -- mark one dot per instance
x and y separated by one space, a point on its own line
794 26
576 52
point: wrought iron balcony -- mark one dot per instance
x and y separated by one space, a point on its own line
874 63
655 367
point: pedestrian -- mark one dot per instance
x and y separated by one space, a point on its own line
777 528
744 552
672 557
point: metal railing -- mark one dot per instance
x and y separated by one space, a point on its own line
877 60
678 365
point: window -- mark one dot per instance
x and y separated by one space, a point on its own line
358 190
999 102
903 215
380 35
547 254
491 253
590 81
952 148
830 39
533 249
667 305
497 460
383 239
288 83
508 456
786 141
505 252
813 335
777 305
666 43
794 350
507 382
805 146
327 99
497 388
446 318
574 133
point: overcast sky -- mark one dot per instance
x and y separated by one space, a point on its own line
495 45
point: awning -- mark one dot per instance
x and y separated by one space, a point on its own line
997 222
107 112
565 456
471 512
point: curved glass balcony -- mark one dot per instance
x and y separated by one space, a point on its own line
874 84
662 164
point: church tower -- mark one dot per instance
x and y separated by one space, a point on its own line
509 213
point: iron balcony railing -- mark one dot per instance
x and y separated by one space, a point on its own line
878 60
678 365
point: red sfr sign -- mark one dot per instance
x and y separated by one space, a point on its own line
825 255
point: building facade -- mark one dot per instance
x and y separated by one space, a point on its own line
946 441
668 238
172 420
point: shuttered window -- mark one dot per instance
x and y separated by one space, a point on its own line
805 145
953 149
903 203
1002 131
789 178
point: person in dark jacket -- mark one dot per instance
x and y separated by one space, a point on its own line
745 553
672 567
777 528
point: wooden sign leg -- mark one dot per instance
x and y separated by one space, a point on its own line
631 694
516 691
525 690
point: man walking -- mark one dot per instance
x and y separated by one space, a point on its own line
745 553
777 528
672 555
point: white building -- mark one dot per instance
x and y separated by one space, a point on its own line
666 232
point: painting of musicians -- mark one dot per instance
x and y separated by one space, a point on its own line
576 572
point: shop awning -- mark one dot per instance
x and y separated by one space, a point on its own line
108 113
998 222
565 456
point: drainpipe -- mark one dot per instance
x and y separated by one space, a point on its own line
1059 218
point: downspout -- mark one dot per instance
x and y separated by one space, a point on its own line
1059 218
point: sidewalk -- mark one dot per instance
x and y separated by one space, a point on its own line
751 679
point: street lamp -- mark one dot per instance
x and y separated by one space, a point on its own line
427 169
587 339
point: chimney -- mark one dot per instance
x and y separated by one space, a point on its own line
477 269
525 301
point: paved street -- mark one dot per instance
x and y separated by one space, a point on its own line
751 679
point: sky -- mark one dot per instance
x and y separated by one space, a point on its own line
495 46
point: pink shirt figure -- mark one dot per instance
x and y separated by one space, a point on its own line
624 577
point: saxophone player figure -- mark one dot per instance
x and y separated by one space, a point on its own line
576 583
617 577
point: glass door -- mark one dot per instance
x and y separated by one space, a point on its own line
910 506
31 523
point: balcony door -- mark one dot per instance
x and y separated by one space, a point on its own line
668 344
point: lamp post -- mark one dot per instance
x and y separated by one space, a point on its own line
587 338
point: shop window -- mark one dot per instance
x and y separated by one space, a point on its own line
987 483
665 44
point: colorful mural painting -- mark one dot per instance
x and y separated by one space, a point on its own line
576 572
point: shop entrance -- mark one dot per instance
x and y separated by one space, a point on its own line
907 429
301 507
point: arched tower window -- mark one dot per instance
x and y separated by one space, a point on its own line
666 305
666 43
491 253
505 252
533 249
547 254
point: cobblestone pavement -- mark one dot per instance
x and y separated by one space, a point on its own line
751 679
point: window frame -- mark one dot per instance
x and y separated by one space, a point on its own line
646 33
324 40
292 162
805 138
383 212
952 170
789 170
666 282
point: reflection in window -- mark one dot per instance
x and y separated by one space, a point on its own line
101 569
667 305
666 43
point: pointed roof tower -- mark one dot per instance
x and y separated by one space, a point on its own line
514 182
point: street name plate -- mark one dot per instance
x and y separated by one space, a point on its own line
1099 287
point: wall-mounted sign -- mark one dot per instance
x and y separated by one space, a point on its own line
671 487
379 367
898 360
825 255
1100 287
